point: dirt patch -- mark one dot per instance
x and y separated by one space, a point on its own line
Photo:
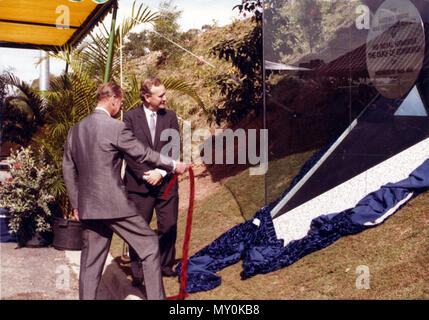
204 186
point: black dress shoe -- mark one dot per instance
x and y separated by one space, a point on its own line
169 273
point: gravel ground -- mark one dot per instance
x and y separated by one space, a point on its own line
36 274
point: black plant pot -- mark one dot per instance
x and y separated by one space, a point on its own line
67 234
38 240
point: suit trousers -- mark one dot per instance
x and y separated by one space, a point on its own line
97 236
166 215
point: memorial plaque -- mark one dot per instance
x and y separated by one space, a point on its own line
395 48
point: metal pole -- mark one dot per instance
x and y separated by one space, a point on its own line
111 41
44 71
264 110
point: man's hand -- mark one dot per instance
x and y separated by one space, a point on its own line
76 214
181 167
153 177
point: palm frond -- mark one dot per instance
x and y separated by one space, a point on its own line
132 94
143 15
95 53
183 87
30 96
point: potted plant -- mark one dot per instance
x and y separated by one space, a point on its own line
26 197
63 111
45 127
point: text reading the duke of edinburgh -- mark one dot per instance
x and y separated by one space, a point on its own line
394 48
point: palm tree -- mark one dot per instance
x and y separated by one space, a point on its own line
65 94
88 63
22 114
73 96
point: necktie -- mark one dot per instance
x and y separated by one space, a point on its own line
152 126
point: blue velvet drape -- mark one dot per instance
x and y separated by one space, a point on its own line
262 252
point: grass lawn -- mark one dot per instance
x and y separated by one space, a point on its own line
396 252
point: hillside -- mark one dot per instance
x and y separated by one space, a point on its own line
200 75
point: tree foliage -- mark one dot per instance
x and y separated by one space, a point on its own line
22 113
165 26
242 90
3 88
307 17
279 39
136 45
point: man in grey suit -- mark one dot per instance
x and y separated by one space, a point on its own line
92 173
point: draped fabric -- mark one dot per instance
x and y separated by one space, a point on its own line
255 241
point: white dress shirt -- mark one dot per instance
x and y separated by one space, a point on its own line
150 113
101 108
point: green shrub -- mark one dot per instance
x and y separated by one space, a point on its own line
26 194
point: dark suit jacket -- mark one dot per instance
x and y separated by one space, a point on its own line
136 121
92 166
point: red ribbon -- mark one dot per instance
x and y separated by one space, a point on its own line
185 249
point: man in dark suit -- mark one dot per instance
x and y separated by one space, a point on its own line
92 173
148 122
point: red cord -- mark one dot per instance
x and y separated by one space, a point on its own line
169 186
183 270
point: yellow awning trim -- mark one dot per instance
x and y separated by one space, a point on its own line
33 22
36 34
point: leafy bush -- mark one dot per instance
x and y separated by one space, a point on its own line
26 196
242 91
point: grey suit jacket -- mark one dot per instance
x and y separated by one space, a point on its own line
92 166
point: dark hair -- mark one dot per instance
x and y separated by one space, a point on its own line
147 85
107 90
